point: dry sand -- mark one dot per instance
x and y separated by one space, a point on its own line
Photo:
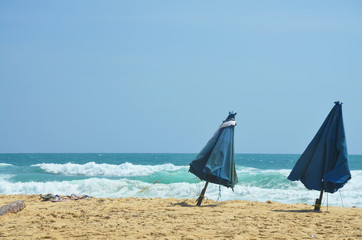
142 218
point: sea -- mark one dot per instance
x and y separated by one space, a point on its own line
262 177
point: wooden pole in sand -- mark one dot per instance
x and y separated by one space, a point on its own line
202 195
318 202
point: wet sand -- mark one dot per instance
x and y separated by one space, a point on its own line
142 218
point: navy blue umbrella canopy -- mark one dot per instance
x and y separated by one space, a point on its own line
216 163
324 164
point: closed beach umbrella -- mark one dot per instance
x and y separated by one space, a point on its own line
216 163
323 165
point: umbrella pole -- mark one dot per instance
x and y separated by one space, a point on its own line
318 202
202 195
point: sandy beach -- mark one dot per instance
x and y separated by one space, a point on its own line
146 218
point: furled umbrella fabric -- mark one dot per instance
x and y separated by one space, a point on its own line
324 164
216 163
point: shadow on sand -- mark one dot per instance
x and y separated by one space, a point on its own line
185 204
298 211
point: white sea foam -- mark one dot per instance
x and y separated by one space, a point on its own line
255 189
107 170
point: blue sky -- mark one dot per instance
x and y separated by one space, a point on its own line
160 76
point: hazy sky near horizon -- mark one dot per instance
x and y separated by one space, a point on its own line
160 76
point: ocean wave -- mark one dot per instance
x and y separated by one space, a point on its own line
108 170
5 177
268 179
166 181
5 165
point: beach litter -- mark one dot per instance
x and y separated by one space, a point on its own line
57 198
13 207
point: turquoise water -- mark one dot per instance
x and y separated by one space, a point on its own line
262 177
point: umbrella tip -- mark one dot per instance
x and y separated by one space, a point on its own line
339 102
231 116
